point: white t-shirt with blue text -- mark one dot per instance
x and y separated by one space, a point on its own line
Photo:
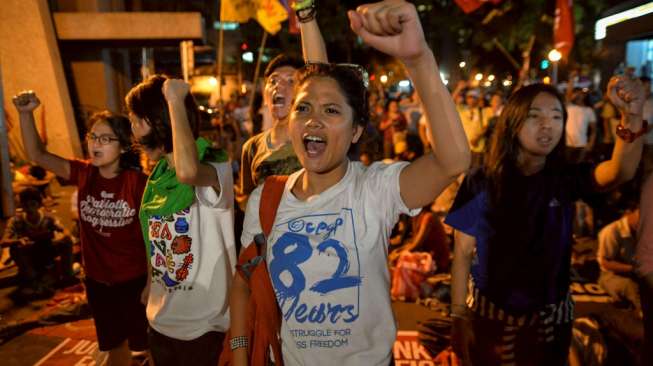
327 262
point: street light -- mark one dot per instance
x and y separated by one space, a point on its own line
554 57
248 57
478 77
384 79
404 83
462 64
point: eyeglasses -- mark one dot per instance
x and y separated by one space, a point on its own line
103 139
359 70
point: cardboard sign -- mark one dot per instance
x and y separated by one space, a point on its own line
409 352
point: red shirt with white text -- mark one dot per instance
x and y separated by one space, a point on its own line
112 243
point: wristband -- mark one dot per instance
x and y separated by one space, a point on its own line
459 311
305 11
304 4
629 136
459 316
239 342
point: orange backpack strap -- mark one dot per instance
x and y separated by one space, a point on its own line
262 303
270 198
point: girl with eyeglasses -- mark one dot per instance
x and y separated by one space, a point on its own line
110 185
327 250
513 221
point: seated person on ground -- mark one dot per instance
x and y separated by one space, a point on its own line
617 242
30 235
427 235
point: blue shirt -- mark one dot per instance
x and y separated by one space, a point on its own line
524 239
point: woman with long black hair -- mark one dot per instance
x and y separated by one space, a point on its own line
513 222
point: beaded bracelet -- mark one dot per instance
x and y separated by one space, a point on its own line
239 342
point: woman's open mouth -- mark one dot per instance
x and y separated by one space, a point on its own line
314 145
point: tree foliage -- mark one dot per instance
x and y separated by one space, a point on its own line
456 36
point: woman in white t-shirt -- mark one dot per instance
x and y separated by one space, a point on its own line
327 250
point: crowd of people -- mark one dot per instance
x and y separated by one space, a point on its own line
274 241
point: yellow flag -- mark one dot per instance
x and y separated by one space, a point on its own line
269 13
237 10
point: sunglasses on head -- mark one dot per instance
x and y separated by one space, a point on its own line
358 70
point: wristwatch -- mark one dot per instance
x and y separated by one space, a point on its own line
629 136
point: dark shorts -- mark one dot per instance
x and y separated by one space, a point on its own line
202 351
118 313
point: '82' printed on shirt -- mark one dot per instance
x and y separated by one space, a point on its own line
315 269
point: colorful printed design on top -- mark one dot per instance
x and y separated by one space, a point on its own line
171 251
316 273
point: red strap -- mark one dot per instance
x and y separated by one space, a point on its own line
262 301
270 198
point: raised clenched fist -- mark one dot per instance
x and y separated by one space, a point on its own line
26 101
627 94
175 90
392 27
